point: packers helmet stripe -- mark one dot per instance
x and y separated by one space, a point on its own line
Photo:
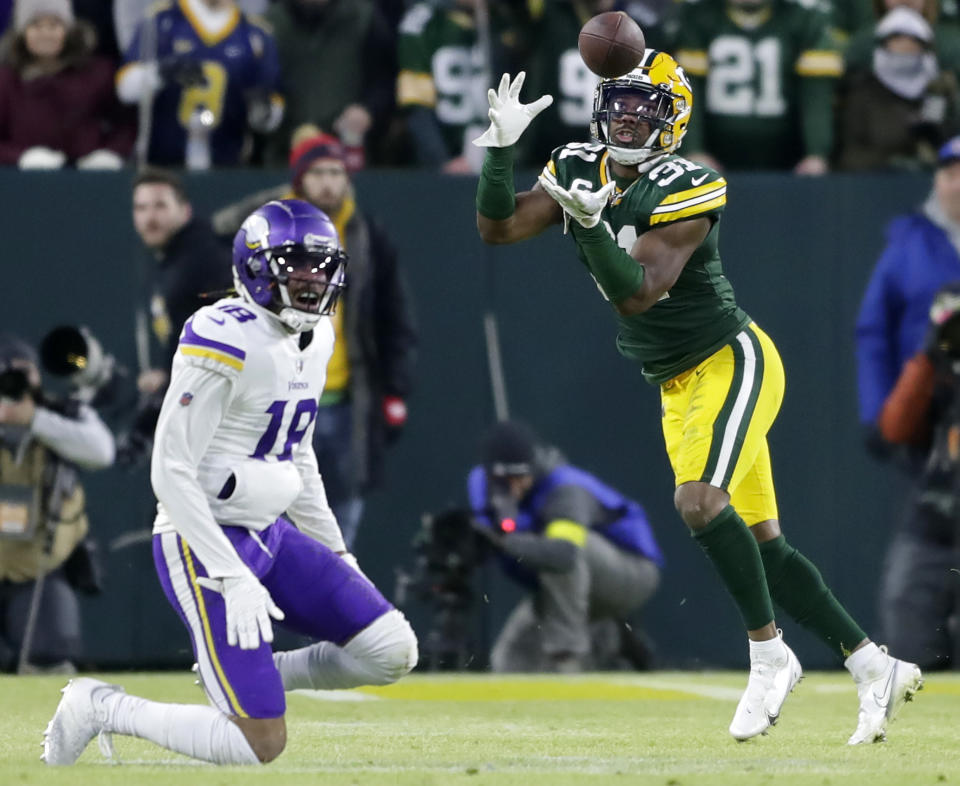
648 59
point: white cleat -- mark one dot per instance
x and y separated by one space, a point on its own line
771 680
882 694
80 717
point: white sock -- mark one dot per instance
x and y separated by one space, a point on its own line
867 663
379 654
323 666
191 729
771 649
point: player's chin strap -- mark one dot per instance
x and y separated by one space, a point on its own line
297 321
629 157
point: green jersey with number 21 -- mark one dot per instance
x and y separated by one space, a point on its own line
699 314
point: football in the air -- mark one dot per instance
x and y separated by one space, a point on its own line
611 44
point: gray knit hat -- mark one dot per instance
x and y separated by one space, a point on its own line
26 11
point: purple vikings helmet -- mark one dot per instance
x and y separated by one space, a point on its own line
287 258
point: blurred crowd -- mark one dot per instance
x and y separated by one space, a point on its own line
804 85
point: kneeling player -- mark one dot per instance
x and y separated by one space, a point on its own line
234 471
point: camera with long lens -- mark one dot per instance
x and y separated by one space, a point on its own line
75 355
444 578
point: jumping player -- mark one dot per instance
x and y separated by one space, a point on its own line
645 222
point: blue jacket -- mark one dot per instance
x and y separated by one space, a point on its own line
894 315
623 521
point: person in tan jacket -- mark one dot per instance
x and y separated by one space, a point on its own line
42 511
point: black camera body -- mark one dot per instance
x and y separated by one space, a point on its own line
14 383
948 337
449 551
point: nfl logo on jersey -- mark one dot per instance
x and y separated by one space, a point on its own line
185 399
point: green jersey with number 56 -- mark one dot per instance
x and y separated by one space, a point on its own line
699 314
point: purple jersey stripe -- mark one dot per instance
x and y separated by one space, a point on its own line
190 337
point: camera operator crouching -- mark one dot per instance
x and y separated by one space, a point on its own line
586 552
43 524
920 592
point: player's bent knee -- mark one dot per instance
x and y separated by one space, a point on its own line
267 736
699 503
387 647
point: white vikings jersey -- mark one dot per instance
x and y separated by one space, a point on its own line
233 445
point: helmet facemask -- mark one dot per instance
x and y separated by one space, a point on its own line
308 282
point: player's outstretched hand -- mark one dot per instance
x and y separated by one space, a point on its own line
249 608
508 117
582 205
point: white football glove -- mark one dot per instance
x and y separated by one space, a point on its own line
584 206
508 117
40 157
249 608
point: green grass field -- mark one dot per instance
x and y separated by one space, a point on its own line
661 728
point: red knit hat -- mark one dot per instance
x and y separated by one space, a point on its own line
312 149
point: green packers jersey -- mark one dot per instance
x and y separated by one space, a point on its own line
763 95
699 314
441 66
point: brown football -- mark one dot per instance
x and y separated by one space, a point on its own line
611 44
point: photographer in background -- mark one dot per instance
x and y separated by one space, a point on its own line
920 594
42 518
585 551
